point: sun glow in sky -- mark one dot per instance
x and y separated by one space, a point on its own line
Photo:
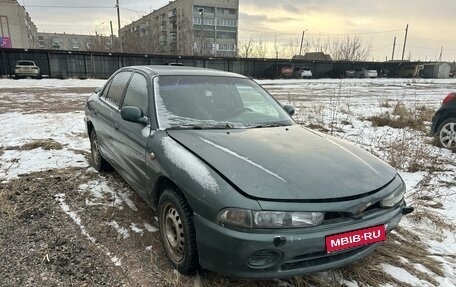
431 23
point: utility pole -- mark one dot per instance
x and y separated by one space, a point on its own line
405 42
302 41
112 37
441 53
394 48
118 25
201 11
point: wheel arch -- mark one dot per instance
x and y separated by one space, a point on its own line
89 127
444 115
163 183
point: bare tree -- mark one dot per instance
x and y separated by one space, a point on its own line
290 48
186 37
350 49
261 49
245 48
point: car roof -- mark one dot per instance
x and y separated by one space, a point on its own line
165 70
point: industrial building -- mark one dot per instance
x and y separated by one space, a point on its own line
183 27
75 42
16 27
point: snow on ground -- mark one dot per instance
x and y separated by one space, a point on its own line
50 83
340 107
18 129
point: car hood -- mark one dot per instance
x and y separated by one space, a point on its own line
292 163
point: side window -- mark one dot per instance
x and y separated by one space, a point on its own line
117 87
137 93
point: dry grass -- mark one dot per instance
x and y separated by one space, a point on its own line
404 117
402 250
46 144
424 214
7 206
408 154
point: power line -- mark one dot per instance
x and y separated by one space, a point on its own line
81 7
71 7
128 9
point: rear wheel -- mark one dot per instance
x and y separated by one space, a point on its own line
446 134
177 232
98 162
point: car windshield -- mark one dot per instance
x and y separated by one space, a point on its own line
215 102
25 63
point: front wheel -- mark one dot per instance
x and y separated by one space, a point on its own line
177 232
446 134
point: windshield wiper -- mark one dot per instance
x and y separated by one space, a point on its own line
270 125
202 127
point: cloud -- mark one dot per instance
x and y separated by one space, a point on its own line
430 21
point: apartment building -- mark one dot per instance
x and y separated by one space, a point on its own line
183 27
75 42
17 29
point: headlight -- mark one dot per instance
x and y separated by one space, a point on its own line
276 219
269 219
236 217
395 197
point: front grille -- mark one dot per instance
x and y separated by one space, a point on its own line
332 217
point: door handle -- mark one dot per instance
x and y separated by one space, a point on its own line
116 127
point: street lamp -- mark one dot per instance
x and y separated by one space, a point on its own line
201 12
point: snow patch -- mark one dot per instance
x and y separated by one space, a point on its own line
16 162
136 229
103 195
77 220
150 228
121 230
73 215
189 163
404 276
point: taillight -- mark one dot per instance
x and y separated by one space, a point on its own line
449 98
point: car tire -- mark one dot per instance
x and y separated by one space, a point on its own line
446 134
98 162
177 232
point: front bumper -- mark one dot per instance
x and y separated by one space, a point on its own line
228 251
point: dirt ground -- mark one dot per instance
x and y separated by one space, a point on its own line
55 232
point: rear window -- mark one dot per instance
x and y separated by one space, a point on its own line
26 63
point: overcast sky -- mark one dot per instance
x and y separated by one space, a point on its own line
431 23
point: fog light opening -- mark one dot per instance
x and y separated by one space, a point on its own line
264 258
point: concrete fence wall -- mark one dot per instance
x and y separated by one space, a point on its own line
70 64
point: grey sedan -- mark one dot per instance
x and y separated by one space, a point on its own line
239 188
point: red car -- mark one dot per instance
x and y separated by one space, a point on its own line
444 123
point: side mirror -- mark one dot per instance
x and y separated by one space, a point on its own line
289 109
134 115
